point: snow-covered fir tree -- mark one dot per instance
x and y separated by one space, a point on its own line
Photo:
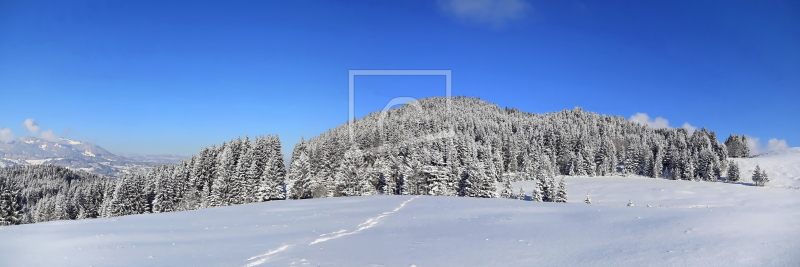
299 176
587 200
350 178
737 146
10 206
759 177
507 191
536 194
733 174
561 193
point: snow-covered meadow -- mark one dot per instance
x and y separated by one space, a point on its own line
687 224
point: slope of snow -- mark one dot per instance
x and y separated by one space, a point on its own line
744 226
72 142
88 153
37 161
782 167
688 224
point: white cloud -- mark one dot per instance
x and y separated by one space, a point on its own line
658 122
776 144
754 143
49 136
689 128
6 135
32 126
643 118
494 13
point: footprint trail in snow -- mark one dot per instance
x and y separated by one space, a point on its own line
361 227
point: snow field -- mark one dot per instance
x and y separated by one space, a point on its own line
782 167
761 228
687 224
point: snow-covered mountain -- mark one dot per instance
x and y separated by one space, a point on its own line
68 153
154 159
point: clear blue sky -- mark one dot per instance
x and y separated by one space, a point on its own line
172 76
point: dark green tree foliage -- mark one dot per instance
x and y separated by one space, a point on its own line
10 206
733 172
737 146
760 177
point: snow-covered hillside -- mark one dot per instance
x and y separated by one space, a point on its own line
76 155
782 167
687 224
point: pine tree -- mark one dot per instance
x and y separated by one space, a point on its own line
756 176
300 176
630 203
536 194
737 146
549 189
225 187
521 194
271 170
350 177
246 180
561 194
760 177
587 200
507 188
10 206
383 172
733 172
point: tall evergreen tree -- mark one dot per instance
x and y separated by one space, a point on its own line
561 194
760 177
350 177
507 188
733 172
536 194
10 206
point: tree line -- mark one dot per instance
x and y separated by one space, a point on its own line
435 146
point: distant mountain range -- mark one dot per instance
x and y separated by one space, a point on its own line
75 155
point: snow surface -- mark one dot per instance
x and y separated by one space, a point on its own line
88 153
40 161
782 167
72 142
689 224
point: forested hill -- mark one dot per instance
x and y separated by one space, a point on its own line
430 146
426 147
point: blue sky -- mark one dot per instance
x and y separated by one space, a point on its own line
156 77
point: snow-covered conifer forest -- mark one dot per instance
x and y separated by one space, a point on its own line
452 148
424 148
